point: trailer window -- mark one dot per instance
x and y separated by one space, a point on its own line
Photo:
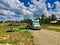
36 22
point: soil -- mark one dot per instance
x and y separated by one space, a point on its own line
46 37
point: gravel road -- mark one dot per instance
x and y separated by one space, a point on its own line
45 37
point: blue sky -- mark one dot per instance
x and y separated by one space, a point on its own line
26 2
20 9
47 1
51 2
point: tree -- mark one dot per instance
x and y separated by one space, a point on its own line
1 21
25 20
43 19
53 17
47 20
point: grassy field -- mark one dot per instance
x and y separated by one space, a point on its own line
51 27
15 38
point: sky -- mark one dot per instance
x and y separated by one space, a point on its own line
21 9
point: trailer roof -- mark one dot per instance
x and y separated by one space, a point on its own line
35 20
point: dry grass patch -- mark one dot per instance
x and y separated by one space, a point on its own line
16 38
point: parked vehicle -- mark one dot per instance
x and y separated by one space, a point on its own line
11 29
34 24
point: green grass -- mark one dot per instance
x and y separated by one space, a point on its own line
20 29
50 27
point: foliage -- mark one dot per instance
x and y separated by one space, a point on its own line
25 20
53 17
1 21
46 20
43 20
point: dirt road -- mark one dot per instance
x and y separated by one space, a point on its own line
45 37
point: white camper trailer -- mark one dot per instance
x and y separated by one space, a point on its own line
34 24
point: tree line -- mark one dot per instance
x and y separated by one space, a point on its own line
47 19
43 19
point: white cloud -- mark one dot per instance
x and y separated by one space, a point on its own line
20 11
15 10
38 2
57 5
49 5
38 8
56 11
6 12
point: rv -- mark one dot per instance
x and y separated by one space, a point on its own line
34 24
